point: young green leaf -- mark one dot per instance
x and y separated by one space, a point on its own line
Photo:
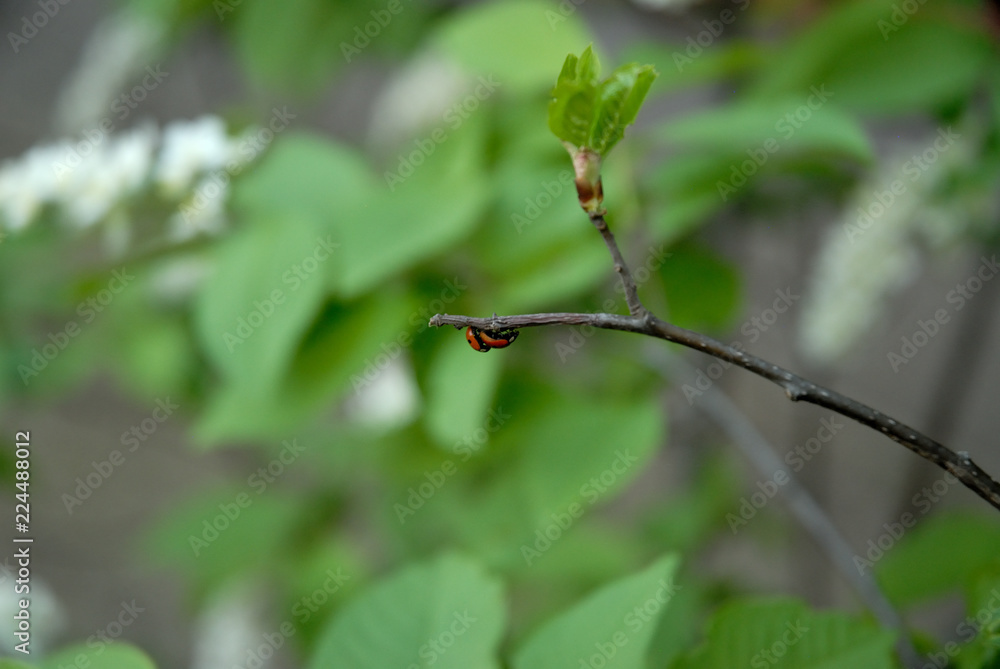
590 115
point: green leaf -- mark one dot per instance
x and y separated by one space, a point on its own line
13 664
293 46
307 174
605 625
618 102
255 309
564 458
873 63
575 442
944 552
785 633
447 613
771 129
703 290
460 387
587 112
225 534
337 354
490 39
118 655
424 208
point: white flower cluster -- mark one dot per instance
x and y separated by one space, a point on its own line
89 180
874 250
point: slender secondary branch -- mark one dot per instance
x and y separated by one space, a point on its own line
796 388
807 510
628 281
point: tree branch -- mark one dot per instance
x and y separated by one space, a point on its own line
796 388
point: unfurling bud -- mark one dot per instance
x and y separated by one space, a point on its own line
587 165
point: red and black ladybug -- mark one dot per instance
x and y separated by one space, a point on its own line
484 340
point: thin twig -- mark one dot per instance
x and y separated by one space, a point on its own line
628 281
796 388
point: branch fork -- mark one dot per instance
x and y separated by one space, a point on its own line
798 389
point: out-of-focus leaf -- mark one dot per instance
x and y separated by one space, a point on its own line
703 291
760 131
943 552
292 46
118 655
213 538
306 174
460 387
874 57
255 308
340 353
447 613
489 40
612 627
785 633
424 207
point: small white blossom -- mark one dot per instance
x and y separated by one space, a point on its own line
179 277
875 250
229 626
112 171
29 183
389 400
416 99
203 212
191 148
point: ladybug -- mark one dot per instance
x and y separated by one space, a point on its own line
484 340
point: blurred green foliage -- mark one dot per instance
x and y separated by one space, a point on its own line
490 498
